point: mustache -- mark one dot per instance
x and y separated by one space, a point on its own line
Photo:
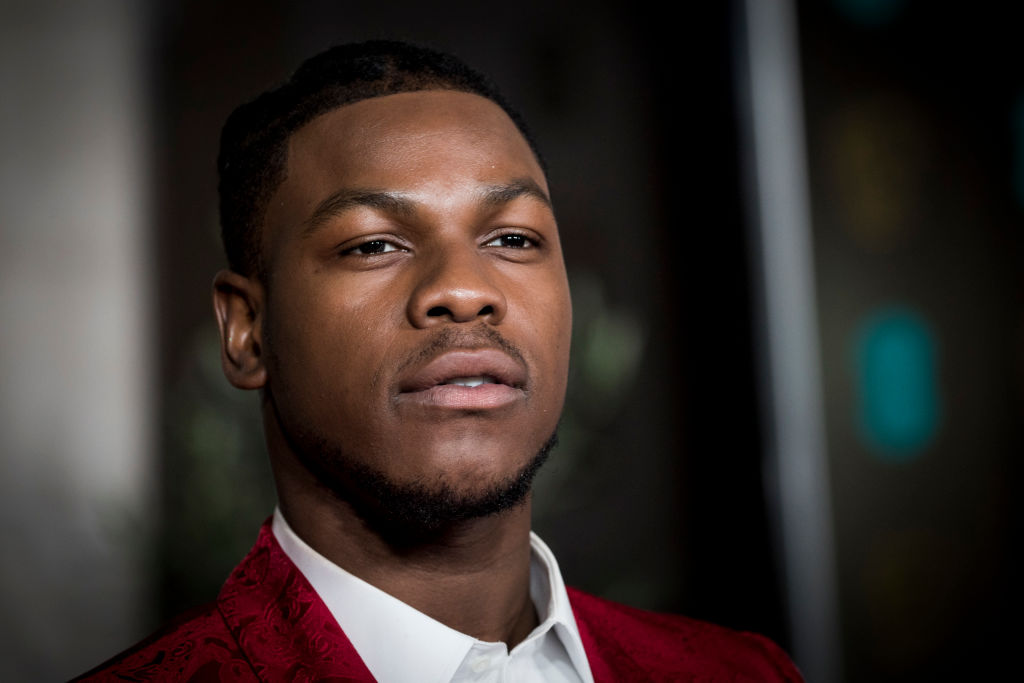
449 338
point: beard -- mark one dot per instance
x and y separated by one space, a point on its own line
409 513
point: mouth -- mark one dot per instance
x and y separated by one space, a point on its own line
466 380
470 381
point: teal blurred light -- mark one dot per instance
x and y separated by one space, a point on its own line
870 12
899 402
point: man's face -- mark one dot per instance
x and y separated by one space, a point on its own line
412 253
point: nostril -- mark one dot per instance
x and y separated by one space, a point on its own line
438 311
486 310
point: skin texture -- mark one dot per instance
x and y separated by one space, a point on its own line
411 239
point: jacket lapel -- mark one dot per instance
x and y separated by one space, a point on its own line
280 623
601 633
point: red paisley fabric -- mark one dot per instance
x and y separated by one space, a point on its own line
627 644
269 625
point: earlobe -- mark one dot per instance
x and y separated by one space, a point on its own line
238 306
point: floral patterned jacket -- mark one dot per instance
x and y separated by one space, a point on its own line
268 624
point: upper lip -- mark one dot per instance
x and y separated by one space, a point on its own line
449 365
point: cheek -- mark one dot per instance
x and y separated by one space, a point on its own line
551 306
325 351
546 321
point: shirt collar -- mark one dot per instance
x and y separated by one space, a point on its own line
379 625
547 590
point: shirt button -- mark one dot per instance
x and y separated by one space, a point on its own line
480 664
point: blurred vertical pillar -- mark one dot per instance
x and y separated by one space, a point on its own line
797 469
75 448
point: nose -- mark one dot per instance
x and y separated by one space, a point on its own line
456 286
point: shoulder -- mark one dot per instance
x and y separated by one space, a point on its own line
196 646
621 639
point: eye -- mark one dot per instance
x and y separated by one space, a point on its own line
372 247
511 241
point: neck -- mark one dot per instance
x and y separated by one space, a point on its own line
473 576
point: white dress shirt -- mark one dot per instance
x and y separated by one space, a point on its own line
400 644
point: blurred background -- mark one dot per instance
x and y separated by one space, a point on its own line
793 232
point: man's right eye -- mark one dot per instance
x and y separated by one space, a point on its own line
372 247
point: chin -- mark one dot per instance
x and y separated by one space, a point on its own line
464 467
459 486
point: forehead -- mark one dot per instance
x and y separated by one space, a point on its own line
405 140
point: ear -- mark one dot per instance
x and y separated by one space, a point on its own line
238 305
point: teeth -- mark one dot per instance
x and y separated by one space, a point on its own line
470 381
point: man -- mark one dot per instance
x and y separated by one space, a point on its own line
397 294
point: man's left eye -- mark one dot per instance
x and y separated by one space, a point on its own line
511 241
373 247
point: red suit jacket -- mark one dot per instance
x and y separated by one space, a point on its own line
269 625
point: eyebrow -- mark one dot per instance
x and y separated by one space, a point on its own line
400 204
346 198
498 195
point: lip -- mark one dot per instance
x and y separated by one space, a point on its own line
426 385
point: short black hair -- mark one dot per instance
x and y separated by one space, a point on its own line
253 143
